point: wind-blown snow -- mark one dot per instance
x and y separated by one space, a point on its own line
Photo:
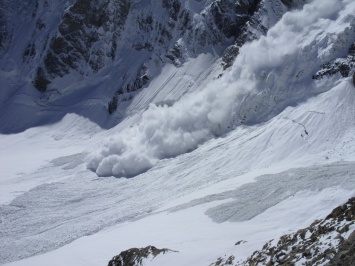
268 75
50 203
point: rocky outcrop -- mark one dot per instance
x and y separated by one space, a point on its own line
251 19
346 253
235 25
324 242
344 66
124 93
227 261
219 24
87 37
7 9
225 23
230 16
104 51
90 33
137 256
3 29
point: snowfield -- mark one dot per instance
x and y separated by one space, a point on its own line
260 152
65 201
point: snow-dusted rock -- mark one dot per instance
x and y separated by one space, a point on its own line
99 54
329 240
345 66
137 256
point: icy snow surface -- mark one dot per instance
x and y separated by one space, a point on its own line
72 202
272 174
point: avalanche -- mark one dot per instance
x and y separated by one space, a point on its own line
268 75
260 152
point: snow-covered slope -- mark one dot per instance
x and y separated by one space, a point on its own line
91 57
268 75
177 203
250 155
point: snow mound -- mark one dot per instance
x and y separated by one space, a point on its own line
268 75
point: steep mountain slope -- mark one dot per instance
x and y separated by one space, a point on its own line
269 74
211 141
90 57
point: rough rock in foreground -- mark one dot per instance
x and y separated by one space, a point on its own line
330 241
137 256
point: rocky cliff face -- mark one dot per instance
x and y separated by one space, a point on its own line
68 42
86 39
93 34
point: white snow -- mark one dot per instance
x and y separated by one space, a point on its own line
198 240
202 180
24 153
78 204
248 91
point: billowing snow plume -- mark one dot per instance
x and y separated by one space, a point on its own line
268 75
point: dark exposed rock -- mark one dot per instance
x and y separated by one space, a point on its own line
40 81
145 46
230 16
30 51
351 50
78 40
229 55
173 7
244 25
124 93
113 104
136 256
288 3
39 24
344 212
344 66
174 54
5 35
346 253
224 261
236 25
100 36
321 243
240 242
339 66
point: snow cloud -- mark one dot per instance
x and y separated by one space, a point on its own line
165 132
